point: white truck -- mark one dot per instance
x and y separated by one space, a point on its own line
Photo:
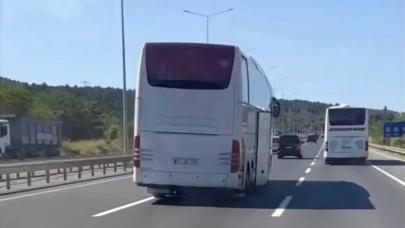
4 136
26 137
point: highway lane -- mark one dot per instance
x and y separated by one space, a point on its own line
347 196
389 163
329 196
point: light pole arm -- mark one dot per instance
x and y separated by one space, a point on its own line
207 17
195 13
220 12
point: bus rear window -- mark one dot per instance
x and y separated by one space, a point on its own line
189 66
349 116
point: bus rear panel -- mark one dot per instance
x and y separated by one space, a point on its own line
185 117
346 134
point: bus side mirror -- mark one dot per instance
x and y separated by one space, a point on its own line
275 108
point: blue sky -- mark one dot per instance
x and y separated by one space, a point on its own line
351 52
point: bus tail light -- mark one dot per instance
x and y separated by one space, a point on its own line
366 145
326 146
137 151
235 157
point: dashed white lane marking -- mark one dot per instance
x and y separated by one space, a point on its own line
125 206
313 163
318 153
62 189
308 170
300 181
389 175
281 208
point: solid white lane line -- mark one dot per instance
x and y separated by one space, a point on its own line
62 189
281 208
125 206
300 181
312 163
308 170
389 175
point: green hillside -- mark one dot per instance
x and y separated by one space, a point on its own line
94 113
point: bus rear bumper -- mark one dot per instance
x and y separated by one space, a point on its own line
346 157
160 179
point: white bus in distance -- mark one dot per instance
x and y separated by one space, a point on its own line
346 134
203 119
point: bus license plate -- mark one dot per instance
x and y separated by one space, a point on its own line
346 143
185 161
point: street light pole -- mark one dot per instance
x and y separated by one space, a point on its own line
124 85
207 18
208 30
282 115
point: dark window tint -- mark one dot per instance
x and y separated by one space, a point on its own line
289 139
189 66
349 116
312 138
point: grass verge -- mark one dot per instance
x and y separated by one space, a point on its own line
88 148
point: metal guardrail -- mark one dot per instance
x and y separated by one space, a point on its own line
65 165
389 148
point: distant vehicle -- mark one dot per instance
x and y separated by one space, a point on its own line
289 145
24 137
203 118
303 138
275 143
4 136
312 138
346 134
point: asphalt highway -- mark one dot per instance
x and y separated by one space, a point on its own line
303 193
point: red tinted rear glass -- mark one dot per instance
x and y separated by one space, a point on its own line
189 66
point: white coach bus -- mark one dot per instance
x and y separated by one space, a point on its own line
203 118
346 134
